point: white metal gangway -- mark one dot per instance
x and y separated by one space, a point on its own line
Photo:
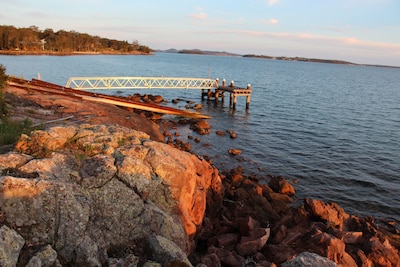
140 83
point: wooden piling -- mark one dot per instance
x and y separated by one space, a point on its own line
233 91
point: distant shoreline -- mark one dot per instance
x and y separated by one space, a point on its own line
303 59
187 51
76 53
317 60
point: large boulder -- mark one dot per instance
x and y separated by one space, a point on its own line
93 191
11 244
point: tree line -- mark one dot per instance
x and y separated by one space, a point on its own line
32 39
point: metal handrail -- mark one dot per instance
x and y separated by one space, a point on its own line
140 83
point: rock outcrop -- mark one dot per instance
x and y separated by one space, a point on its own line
255 225
96 194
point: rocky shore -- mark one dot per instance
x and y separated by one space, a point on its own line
97 192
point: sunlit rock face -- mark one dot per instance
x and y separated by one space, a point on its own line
94 189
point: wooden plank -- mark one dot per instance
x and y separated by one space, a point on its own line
158 109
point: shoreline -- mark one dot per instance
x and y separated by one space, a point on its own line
47 53
254 196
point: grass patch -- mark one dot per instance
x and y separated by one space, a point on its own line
11 130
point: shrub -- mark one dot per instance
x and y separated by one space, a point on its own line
10 130
3 80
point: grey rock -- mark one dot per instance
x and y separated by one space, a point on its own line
100 189
13 160
11 244
308 259
46 257
165 251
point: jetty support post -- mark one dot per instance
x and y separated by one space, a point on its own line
248 97
234 101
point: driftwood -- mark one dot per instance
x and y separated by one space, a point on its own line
56 120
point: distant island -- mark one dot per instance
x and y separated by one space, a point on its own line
199 52
216 53
332 61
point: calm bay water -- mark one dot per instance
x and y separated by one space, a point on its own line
333 128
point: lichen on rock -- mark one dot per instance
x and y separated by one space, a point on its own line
98 189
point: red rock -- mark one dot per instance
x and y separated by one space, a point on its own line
253 237
166 133
232 134
233 151
363 260
280 185
201 126
248 225
254 243
333 248
281 234
156 98
211 260
331 213
237 177
227 241
229 258
198 106
220 133
382 253
352 237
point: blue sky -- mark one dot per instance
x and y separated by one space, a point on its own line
360 31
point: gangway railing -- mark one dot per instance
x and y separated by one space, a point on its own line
140 83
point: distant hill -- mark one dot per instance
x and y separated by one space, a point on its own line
333 61
198 52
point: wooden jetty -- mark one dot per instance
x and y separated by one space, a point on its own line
210 88
233 91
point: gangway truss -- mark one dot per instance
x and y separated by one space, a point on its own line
84 83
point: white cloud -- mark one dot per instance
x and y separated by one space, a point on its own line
272 2
270 21
201 16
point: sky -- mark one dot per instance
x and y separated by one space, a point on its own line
359 31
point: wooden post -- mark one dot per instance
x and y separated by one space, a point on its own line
230 98
234 100
248 96
208 94
223 82
202 94
216 95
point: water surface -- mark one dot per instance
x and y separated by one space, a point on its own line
333 128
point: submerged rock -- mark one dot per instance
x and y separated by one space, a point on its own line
234 151
201 126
